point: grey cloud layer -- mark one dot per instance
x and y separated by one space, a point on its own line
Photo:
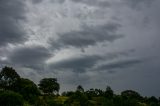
119 64
78 64
107 3
33 57
98 3
53 1
37 1
45 18
11 11
87 62
87 36
138 3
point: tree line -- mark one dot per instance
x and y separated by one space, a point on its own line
18 91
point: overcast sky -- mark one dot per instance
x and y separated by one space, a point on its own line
93 43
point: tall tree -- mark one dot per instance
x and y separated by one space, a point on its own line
109 92
8 77
49 85
28 89
80 88
131 94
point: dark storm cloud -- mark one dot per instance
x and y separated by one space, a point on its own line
85 62
94 2
11 12
137 3
37 1
87 36
78 64
54 1
119 64
33 57
58 1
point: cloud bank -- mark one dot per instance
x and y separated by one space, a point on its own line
92 43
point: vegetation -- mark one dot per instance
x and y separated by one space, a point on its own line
8 77
17 91
27 89
9 98
49 85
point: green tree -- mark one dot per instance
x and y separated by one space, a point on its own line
77 99
49 85
28 89
80 88
131 94
109 92
99 92
9 98
8 77
152 101
131 97
91 93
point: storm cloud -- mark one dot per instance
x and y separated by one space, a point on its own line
88 36
77 64
32 57
84 63
11 15
87 42
52 1
99 3
120 64
138 3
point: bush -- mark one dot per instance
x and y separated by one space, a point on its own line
9 98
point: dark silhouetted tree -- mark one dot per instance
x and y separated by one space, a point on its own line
49 85
80 88
28 89
109 92
152 101
8 77
130 94
91 93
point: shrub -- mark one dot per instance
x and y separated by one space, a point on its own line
9 98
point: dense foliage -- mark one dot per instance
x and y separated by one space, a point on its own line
28 89
17 91
9 98
49 85
8 77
